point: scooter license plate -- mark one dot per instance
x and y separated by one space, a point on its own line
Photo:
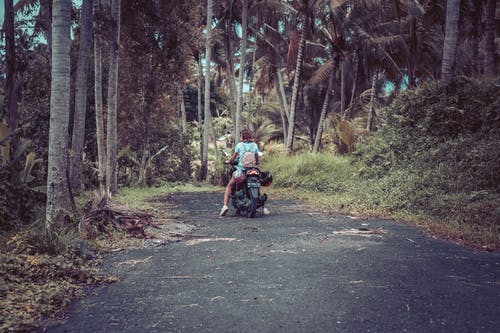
253 185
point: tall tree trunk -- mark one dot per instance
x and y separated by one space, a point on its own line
182 107
208 59
324 110
283 93
77 142
148 96
99 110
243 52
354 82
476 37
371 113
296 84
10 100
251 82
342 86
448 72
489 39
200 105
57 190
111 148
283 105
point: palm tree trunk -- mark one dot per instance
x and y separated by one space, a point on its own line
76 159
324 110
111 147
243 52
10 55
489 39
283 94
476 37
200 105
448 72
99 110
182 107
371 113
342 87
251 82
284 119
57 190
354 82
208 59
296 83
233 89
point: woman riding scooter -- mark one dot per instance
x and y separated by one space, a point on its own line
242 148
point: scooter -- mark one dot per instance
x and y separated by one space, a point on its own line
245 196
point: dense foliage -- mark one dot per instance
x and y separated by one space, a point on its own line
450 130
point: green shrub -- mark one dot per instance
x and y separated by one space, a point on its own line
451 130
311 172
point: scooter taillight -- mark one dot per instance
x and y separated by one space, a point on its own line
253 172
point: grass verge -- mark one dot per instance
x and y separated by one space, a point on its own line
332 183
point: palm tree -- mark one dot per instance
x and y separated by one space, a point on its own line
57 190
111 147
208 59
304 15
448 71
76 159
99 111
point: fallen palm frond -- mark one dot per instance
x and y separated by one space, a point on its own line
360 231
104 215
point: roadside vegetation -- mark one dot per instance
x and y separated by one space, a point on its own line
434 162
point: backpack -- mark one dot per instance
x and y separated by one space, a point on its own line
248 159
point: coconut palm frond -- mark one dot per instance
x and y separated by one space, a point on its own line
322 74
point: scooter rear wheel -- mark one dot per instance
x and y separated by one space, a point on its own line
253 207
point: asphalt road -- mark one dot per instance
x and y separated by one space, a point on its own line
295 270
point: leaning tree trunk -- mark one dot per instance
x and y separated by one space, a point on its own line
284 104
111 148
208 59
324 110
99 110
57 190
489 39
448 72
10 55
243 52
296 83
76 159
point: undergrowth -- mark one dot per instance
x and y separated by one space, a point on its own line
36 286
40 272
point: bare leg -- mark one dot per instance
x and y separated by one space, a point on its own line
227 193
